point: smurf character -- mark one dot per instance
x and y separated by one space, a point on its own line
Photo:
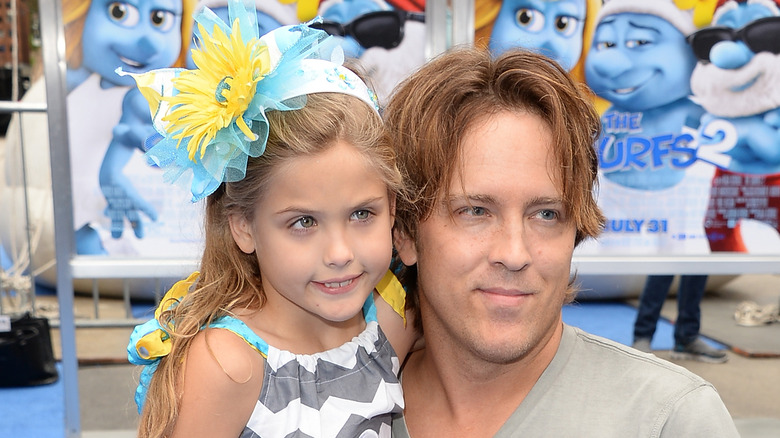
106 36
124 202
560 29
387 42
737 81
339 16
640 62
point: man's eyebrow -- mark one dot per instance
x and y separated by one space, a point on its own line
471 198
542 200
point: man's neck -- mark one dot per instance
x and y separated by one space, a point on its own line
459 395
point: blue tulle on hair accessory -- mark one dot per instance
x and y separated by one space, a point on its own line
211 119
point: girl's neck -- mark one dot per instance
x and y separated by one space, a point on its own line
307 335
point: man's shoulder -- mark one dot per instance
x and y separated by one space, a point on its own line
620 364
594 379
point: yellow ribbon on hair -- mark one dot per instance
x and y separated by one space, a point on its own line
157 343
391 290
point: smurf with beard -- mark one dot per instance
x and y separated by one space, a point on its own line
737 81
651 188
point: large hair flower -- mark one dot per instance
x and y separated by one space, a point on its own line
211 119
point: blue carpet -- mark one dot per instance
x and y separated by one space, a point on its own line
34 412
615 320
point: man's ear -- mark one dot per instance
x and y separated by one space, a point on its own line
241 230
392 209
405 247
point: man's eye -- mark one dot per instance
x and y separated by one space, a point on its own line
473 211
548 215
304 222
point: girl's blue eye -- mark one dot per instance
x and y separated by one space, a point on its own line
304 222
361 215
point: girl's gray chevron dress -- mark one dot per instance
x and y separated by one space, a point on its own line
347 392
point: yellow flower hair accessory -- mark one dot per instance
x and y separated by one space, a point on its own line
211 119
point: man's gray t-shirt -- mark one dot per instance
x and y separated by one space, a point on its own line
595 387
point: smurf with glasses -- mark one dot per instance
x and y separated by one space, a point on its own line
737 81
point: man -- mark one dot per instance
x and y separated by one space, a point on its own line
500 161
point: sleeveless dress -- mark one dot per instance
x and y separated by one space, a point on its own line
350 391
347 392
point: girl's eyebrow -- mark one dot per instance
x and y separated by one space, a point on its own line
307 211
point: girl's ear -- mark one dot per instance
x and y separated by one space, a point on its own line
241 230
405 247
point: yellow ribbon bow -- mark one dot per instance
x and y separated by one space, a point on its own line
157 343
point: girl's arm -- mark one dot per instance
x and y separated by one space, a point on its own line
223 377
403 338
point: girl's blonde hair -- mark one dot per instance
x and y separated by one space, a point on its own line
231 279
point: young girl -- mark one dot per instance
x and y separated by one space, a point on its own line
278 333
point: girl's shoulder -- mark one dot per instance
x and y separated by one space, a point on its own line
228 351
223 377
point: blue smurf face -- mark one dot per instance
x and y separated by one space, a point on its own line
743 14
265 24
736 54
554 27
136 35
639 62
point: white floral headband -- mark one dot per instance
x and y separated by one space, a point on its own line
218 110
